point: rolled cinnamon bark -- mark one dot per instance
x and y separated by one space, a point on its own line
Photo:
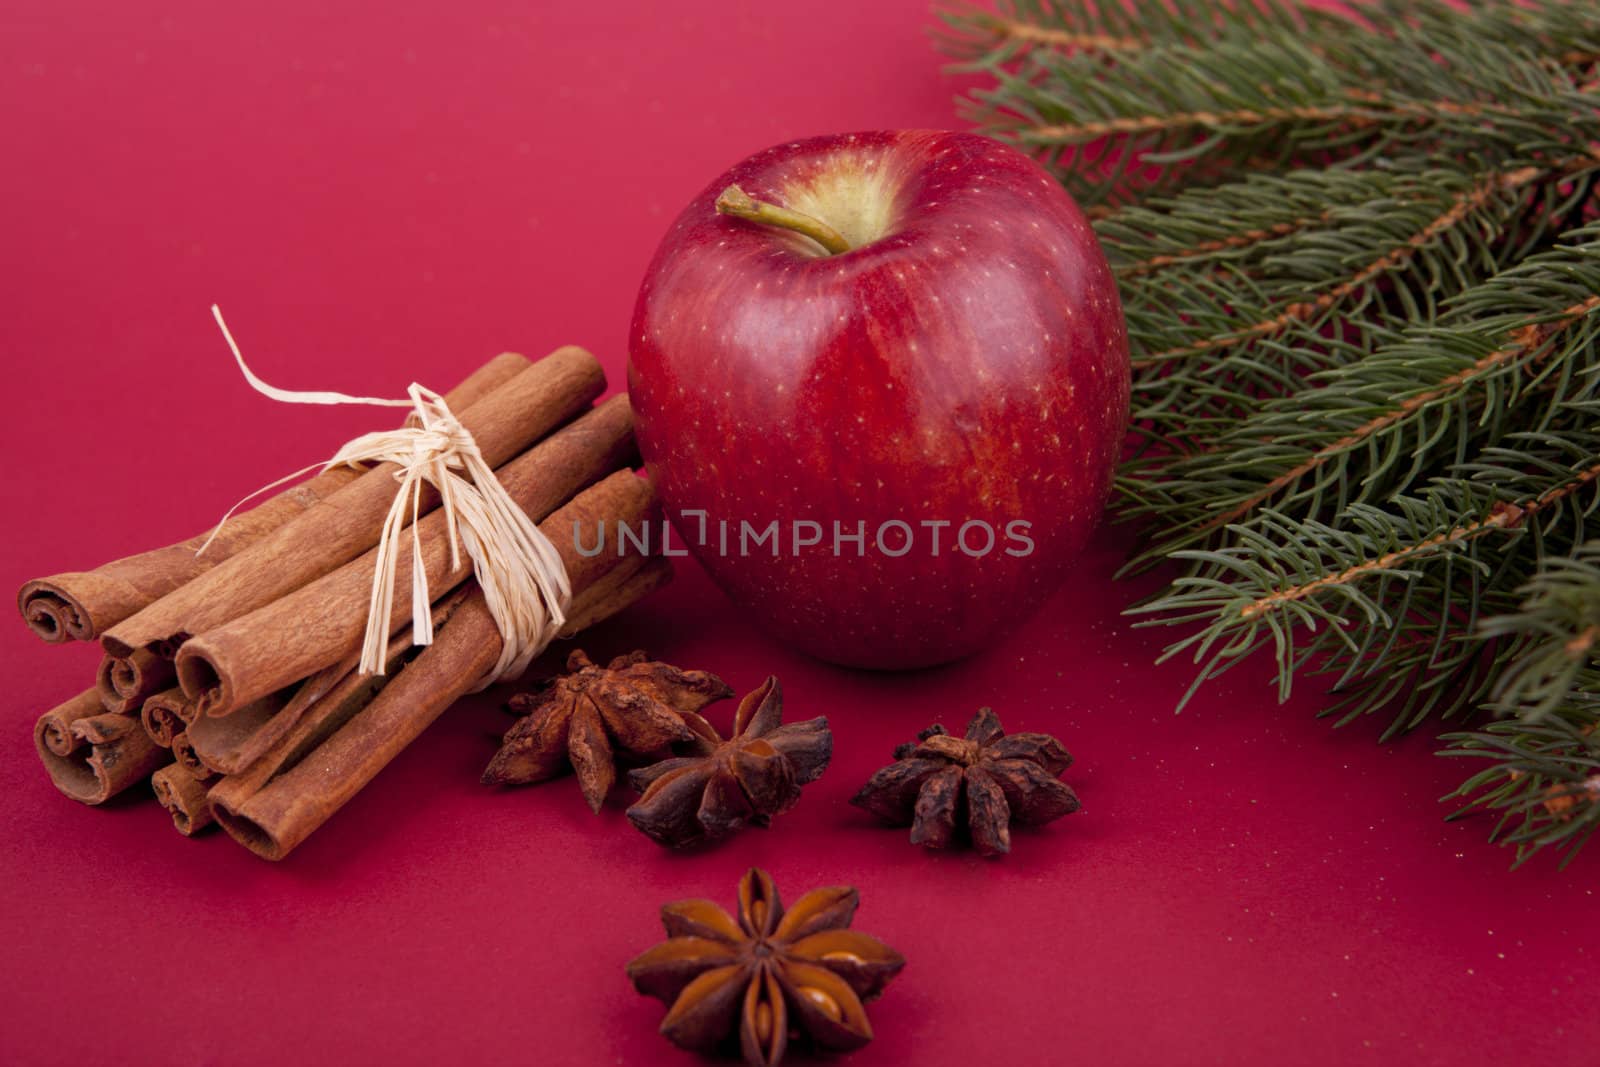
325 684
81 605
53 732
113 752
349 522
328 686
316 724
166 715
322 623
188 760
481 382
327 703
126 683
219 743
184 797
288 809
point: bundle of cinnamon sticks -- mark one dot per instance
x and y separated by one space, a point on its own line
230 677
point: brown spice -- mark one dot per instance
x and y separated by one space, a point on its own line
983 781
80 605
587 717
269 648
724 785
184 797
102 754
125 684
54 733
783 975
187 759
323 538
290 807
165 715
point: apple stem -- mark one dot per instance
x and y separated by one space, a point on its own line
740 204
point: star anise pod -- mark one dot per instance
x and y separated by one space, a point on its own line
585 717
772 975
984 781
721 785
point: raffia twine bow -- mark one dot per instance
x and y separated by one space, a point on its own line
525 584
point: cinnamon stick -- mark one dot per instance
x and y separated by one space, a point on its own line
185 757
326 685
110 753
53 732
81 605
288 740
284 813
184 797
322 623
288 809
349 522
220 743
125 684
328 701
165 715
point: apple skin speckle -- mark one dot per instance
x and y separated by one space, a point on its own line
965 360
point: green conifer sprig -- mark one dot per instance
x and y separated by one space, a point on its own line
1270 92
1317 592
1231 321
1360 262
1505 354
1544 777
1559 627
1545 754
1084 26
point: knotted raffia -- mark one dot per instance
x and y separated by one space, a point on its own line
524 582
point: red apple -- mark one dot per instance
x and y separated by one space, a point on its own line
944 354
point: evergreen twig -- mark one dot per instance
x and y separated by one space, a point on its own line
1360 263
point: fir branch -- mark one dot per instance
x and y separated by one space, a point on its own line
1280 577
1388 415
1278 99
1565 30
1239 224
1217 246
1367 345
1017 26
1461 208
977 33
1431 671
1502 516
1544 778
1557 628
1499 519
1431 233
1355 108
1529 342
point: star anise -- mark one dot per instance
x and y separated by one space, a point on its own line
585 717
986 780
723 785
772 975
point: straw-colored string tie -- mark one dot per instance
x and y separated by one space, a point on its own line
524 581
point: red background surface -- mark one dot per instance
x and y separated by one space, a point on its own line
383 192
